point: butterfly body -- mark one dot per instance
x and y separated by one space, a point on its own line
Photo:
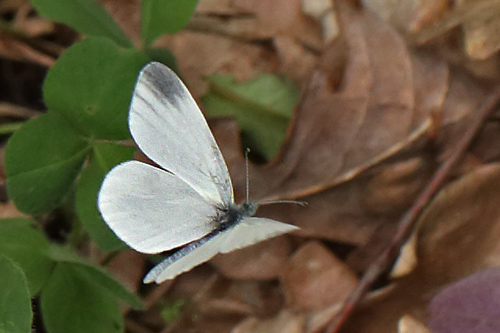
236 212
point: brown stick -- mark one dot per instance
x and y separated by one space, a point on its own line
409 219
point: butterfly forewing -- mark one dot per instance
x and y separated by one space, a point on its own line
152 210
170 129
186 259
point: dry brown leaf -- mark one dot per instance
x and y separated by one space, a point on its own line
15 49
285 321
262 261
463 97
128 268
380 109
381 312
316 321
479 24
457 236
22 22
127 13
339 134
223 302
483 149
29 25
431 19
244 27
9 210
481 31
218 7
226 56
394 185
284 17
315 278
466 238
296 62
409 16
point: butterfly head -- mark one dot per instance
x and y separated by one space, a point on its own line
248 208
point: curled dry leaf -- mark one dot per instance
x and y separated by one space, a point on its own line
324 13
407 259
408 324
315 278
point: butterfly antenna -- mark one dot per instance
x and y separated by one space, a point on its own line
247 181
297 202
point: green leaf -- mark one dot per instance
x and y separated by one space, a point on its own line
42 160
171 311
85 16
91 86
15 300
104 157
95 275
29 248
71 302
165 56
262 107
161 17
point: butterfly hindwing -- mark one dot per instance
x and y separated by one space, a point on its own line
185 259
251 230
248 231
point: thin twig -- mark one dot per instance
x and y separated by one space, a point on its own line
408 220
16 111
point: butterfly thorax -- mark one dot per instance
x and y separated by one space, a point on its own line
235 212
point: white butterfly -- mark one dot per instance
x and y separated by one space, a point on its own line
189 202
